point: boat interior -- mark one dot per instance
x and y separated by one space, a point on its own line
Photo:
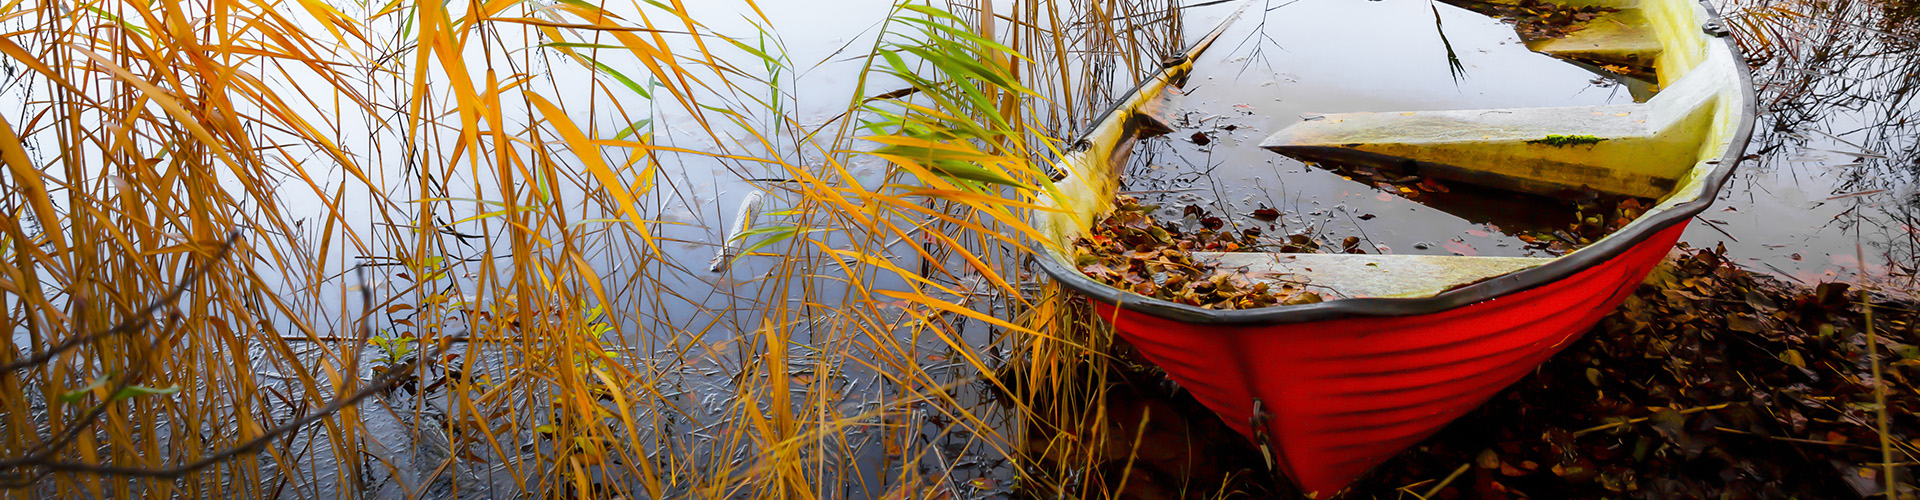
1664 148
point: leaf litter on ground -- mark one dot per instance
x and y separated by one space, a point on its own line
1708 382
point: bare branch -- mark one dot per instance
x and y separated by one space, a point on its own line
379 383
25 471
134 322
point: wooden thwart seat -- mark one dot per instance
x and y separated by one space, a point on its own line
1632 149
1622 37
1354 276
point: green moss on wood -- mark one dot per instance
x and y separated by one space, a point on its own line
1566 140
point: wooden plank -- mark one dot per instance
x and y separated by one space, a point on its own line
1352 275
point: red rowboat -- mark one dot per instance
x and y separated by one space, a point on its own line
1334 388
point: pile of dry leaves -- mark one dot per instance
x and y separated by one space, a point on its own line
1130 251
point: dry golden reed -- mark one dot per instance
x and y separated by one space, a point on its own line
266 249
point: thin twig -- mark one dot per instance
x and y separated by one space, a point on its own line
1457 471
1689 411
1879 397
37 461
86 420
379 383
138 320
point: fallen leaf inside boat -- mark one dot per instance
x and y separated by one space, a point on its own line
1131 251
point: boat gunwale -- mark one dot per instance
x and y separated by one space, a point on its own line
1605 250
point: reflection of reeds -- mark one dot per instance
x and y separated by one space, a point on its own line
1821 52
1840 77
526 303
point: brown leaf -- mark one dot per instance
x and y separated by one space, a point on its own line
1487 459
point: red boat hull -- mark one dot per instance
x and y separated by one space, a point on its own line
1345 395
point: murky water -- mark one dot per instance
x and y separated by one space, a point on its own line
1831 168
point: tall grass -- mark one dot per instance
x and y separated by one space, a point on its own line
270 249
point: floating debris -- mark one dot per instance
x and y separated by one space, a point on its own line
1132 251
1596 215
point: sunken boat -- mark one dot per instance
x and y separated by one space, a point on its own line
1331 389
